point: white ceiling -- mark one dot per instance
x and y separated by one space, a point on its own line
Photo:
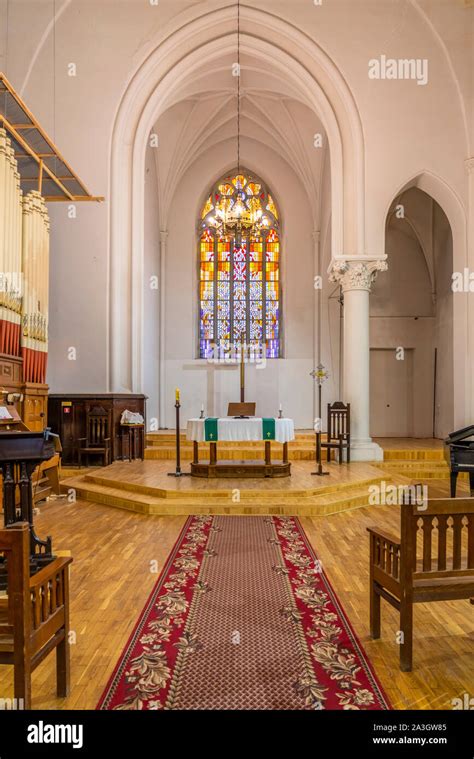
203 115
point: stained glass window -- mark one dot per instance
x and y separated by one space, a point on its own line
239 287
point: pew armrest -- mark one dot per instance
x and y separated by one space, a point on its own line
385 536
49 571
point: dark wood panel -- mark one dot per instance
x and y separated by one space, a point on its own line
67 417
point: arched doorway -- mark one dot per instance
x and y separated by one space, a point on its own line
411 311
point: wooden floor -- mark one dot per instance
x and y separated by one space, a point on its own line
111 578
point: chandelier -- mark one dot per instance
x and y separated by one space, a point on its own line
239 204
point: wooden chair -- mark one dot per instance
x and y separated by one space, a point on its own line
444 571
339 430
34 616
97 441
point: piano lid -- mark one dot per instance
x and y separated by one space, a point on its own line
458 435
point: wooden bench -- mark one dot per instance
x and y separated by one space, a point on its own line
432 561
34 616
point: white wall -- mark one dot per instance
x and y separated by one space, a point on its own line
444 332
151 291
285 381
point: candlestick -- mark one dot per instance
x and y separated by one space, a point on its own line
320 375
178 472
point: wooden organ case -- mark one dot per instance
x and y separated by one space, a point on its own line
32 174
24 273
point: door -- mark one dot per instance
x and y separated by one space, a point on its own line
391 393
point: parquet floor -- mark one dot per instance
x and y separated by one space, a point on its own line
115 553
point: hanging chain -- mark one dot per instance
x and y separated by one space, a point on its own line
238 87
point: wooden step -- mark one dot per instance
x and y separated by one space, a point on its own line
415 454
159 438
322 501
210 492
232 451
419 470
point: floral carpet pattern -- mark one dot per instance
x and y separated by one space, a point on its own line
243 617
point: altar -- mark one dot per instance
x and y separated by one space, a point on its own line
230 429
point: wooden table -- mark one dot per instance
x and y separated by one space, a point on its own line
240 431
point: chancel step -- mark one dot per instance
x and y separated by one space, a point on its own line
123 486
161 446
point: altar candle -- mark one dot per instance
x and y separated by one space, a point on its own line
177 395
280 408
202 406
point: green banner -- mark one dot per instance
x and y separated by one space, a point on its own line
268 429
210 429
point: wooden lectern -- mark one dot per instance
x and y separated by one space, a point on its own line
21 451
241 410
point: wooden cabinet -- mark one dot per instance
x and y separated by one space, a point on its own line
67 417
35 406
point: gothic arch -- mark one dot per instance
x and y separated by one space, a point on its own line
451 204
294 56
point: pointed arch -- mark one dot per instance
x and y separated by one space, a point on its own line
463 330
295 58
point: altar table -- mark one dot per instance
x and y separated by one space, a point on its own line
229 429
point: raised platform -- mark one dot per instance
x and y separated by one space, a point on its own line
144 486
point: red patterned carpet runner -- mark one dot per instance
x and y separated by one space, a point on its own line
242 617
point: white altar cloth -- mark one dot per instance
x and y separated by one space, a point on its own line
241 430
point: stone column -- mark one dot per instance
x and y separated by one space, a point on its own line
317 312
162 373
469 412
356 278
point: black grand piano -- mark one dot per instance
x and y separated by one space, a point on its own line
459 453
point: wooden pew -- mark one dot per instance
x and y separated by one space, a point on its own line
432 561
34 616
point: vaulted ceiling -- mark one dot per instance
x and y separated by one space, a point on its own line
203 116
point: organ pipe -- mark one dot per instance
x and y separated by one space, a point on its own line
24 269
10 248
35 264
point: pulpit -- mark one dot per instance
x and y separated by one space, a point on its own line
21 451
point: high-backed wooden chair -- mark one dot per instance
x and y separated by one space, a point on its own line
432 561
97 440
34 616
339 430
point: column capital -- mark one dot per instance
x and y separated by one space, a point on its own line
356 274
469 164
316 236
163 236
